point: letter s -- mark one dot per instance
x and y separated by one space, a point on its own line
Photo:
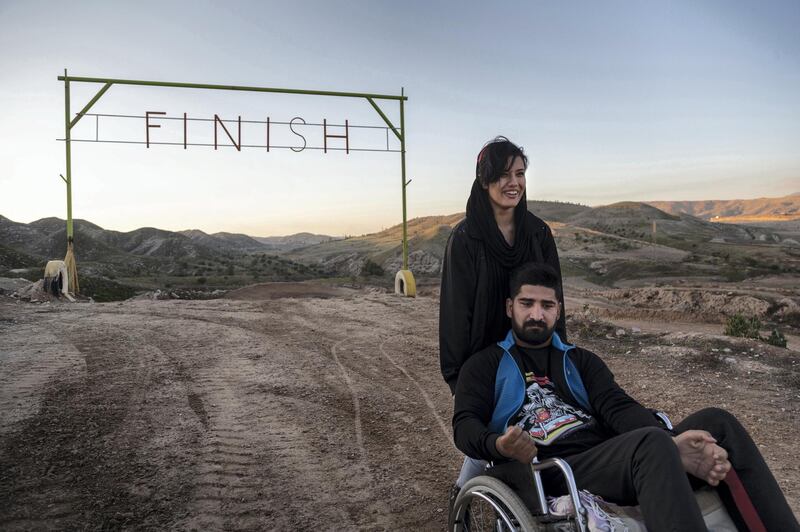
291 123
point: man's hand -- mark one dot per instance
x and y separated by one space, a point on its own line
702 457
517 444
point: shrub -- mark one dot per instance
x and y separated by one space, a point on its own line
105 290
201 280
738 325
776 338
371 268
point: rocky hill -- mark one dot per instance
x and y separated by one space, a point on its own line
295 241
119 263
556 211
427 237
46 238
786 207
603 243
643 221
226 242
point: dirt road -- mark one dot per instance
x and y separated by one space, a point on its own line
309 413
324 412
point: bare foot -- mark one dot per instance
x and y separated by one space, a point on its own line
702 457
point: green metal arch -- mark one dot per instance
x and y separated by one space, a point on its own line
70 122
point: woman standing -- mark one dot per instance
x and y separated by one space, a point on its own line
497 235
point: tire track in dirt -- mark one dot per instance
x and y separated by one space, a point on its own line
251 420
226 475
356 406
226 471
404 457
67 460
413 464
258 444
431 406
30 356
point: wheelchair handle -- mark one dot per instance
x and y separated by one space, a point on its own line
566 470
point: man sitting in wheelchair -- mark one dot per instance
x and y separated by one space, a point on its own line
532 396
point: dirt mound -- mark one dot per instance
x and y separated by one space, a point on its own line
788 310
703 303
178 293
10 285
35 293
278 290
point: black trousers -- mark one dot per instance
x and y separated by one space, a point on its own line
643 467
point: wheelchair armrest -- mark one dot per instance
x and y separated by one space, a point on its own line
663 418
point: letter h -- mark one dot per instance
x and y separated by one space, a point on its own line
326 136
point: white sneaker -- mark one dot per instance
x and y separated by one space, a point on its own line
599 520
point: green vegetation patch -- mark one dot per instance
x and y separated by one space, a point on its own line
776 338
738 325
372 269
743 327
102 290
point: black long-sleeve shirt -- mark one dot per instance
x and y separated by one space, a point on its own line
613 411
466 324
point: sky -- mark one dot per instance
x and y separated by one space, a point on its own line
612 101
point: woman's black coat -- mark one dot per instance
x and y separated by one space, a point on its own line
465 326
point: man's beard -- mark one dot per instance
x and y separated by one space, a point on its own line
533 332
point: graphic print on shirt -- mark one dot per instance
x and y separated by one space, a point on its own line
544 415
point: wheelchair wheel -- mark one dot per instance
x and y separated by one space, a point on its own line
487 504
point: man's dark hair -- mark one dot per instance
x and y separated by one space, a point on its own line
496 157
536 274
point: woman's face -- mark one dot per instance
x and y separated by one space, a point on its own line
506 192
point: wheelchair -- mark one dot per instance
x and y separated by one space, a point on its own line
487 503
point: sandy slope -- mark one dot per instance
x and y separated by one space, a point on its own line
323 412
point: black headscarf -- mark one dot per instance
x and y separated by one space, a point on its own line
501 258
481 217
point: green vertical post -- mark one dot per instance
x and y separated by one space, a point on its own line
68 145
403 171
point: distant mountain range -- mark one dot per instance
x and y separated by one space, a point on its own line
604 230
590 241
766 209
237 242
139 252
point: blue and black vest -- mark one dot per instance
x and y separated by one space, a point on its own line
509 385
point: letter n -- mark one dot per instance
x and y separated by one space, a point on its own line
218 120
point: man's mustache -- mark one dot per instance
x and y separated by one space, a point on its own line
535 323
